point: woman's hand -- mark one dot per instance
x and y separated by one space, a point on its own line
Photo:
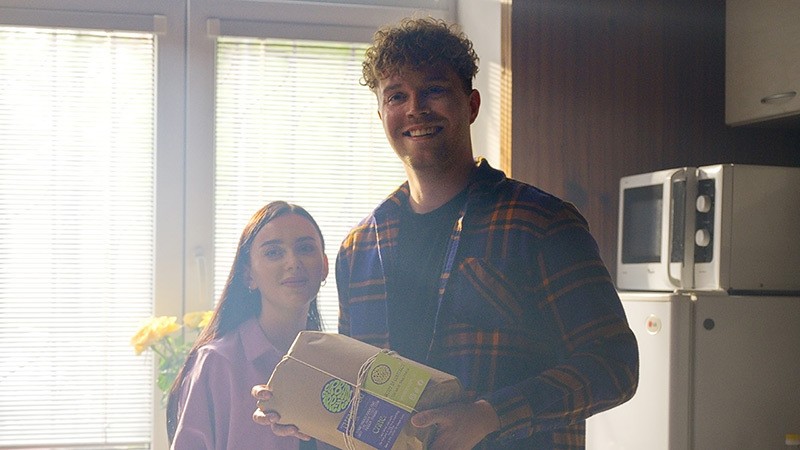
263 416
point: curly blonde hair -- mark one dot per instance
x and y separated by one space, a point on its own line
417 43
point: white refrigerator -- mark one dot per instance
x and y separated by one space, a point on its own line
716 372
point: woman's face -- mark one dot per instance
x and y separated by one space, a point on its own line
287 264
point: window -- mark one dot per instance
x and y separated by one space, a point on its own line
289 121
138 137
76 234
293 123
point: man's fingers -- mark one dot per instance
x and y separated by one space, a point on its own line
424 418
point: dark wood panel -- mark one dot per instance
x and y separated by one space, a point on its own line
604 89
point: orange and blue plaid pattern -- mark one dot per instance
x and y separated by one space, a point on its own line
528 316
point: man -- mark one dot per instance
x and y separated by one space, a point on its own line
484 277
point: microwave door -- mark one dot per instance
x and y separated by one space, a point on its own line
678 219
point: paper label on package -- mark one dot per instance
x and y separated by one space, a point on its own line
397 380
378 422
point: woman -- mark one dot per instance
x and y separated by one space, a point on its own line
269 297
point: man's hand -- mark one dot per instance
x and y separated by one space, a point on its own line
270 418
458 425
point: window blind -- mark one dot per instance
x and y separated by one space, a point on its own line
76 237
293 123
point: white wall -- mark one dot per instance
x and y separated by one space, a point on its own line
480 20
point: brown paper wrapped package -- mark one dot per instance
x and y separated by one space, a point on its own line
314 358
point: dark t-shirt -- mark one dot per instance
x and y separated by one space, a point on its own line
414 283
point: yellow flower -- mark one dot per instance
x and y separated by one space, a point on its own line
153 331
171 350
197 319
206 319
142 339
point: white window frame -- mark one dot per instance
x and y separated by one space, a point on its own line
167 20
258 19
185 111
208 19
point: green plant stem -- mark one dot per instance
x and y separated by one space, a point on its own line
158 352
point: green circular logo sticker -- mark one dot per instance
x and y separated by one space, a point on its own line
381 374
336 395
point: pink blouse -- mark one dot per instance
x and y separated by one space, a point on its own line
217 408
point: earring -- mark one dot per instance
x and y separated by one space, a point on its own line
324 282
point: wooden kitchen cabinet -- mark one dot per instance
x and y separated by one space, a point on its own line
762 61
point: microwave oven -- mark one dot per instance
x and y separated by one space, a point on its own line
726 227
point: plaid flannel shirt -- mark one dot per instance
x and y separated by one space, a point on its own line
528 317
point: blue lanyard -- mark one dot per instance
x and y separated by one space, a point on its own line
452 249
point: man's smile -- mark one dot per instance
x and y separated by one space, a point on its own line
420 132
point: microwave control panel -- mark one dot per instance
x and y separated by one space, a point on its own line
704 221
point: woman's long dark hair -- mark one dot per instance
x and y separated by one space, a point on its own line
237 303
